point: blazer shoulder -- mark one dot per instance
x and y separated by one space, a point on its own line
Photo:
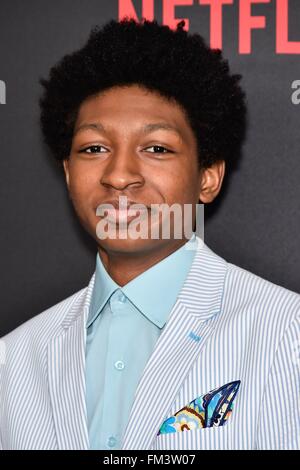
47 322
260 294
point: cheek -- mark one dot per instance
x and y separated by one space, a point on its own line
179 186
81 183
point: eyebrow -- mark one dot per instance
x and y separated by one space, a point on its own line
144 130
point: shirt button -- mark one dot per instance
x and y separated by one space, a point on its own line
111 442
119 365
122 298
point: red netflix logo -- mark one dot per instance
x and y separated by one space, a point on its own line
248 21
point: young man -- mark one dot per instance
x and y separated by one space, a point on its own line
168 347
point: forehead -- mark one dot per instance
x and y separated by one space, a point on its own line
130 107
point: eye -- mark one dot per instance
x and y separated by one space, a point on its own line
92 149
159 149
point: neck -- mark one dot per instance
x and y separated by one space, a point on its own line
123 267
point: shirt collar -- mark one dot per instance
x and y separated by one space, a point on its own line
153 292
104 287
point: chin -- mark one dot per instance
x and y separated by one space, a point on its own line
127 245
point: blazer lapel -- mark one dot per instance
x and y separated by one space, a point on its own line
190 324
66 375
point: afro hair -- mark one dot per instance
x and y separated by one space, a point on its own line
176 64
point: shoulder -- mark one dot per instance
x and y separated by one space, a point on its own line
248 293
260 303
249 286
43 325
24 351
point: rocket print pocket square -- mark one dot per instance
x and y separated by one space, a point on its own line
211 409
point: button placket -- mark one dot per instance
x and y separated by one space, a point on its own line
118 302
114 367
122 298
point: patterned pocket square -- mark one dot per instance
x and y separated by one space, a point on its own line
208 410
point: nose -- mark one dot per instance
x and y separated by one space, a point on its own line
122 170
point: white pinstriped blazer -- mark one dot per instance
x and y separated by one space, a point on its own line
249 330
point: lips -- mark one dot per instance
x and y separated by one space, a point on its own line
122 204
121 211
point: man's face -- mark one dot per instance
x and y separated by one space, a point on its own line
112 155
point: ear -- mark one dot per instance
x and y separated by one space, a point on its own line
211 181
66 170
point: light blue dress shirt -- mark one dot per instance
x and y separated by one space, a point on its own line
123 326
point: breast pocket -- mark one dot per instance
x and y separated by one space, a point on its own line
212 438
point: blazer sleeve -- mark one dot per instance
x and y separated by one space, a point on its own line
1 445
2 360
279 423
